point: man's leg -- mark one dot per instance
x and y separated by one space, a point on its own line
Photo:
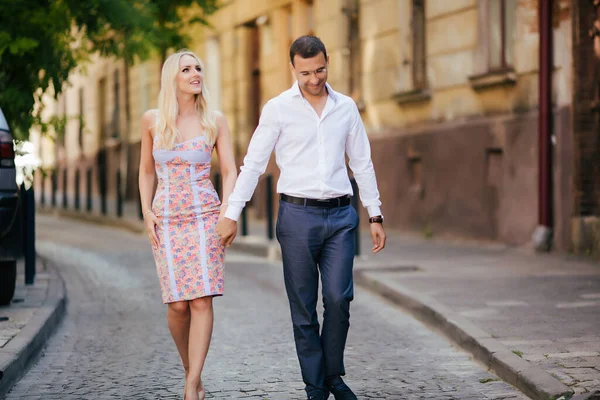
300 233
336 265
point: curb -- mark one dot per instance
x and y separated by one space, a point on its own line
18 355
135 227
528 378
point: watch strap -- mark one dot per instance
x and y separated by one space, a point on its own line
378 219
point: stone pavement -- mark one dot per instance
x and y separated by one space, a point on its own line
533 318
26 324
504 305
114 342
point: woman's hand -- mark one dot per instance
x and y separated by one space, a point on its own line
151 221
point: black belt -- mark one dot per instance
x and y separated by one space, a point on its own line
341 201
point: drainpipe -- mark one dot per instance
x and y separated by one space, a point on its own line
542 236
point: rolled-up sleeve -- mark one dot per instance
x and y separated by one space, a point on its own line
359 155
259 151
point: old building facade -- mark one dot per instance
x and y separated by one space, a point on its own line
448 91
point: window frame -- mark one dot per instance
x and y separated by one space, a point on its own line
419 47
351 12
419 90
81 116
116 114
63 112
485 75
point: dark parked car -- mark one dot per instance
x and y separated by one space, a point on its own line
10 230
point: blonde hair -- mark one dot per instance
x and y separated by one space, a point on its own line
168 108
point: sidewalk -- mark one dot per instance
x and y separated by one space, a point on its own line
534 319
35 312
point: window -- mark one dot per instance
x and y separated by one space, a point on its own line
419 74
501 22
102 124
213 70
144 85
290 25
63 104
81 114
352 13
116 121
302 19
63 114
495 50
310 18
415 88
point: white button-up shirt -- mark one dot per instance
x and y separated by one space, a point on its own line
310 151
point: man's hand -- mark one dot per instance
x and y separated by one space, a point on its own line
226 229
378 235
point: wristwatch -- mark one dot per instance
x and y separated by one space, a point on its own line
378 219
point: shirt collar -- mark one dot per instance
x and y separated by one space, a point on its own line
295 91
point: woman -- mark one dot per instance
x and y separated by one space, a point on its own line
177 144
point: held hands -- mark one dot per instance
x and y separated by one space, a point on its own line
227 230
378 235
151 222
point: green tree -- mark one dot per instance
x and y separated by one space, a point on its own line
171 23
43 41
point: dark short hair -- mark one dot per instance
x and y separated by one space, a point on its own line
307 46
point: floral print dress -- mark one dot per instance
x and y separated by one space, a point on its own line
189 257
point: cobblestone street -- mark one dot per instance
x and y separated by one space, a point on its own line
114 342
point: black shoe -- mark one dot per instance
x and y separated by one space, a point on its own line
318 395
339 389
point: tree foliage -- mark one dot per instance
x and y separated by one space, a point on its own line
43 41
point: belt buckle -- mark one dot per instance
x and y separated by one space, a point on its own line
324 201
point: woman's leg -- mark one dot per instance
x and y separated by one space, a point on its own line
178 318
201 327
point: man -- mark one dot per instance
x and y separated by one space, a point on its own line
312 128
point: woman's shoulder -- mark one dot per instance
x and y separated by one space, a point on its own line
149 121
219 117
150 116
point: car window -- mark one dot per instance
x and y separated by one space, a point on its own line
3 123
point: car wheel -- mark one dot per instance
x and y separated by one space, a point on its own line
8 279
